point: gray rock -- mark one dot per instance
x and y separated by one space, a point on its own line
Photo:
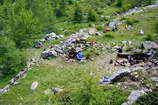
155 79
149 45
118 74
5 89
48 91
98 33
133 97
34 85
92 31
56 90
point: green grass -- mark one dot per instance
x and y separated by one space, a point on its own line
53 73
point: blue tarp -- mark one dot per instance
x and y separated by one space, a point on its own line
112 24
80 55
39 44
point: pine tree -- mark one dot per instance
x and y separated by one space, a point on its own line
92 16
11 59
78 15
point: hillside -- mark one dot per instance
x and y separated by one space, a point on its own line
113 38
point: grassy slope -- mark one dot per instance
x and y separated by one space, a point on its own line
57 73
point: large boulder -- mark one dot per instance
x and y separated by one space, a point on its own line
133 97
116 76
149 45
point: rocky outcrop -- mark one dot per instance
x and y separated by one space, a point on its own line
133 97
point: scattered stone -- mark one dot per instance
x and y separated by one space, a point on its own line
92 31
149 45
98 33
34 85
155 79
57 90
141 32
48 91
5 89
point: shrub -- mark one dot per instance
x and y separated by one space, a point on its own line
119 3
149 37
131 21
59 13
156 27
100 28
108 35
92 16
11 59
78 15
92 94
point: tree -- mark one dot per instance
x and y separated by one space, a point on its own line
119 3
11 59
92 16
78 15
24 28
1 2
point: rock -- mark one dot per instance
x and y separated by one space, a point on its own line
141 32
56 90
98 33
34 85
116 76
61 36
92 31
133 97
112 24
48 91
155 79
149 45
126 42
5 89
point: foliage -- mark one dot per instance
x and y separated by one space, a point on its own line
78 15
119 3
131 21
156 27
11 59
150 37
92 16
91 94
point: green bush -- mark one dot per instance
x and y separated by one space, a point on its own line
12 60
156 27
150 37
108 35
78 15
92 16
119 3
131 21
100 28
